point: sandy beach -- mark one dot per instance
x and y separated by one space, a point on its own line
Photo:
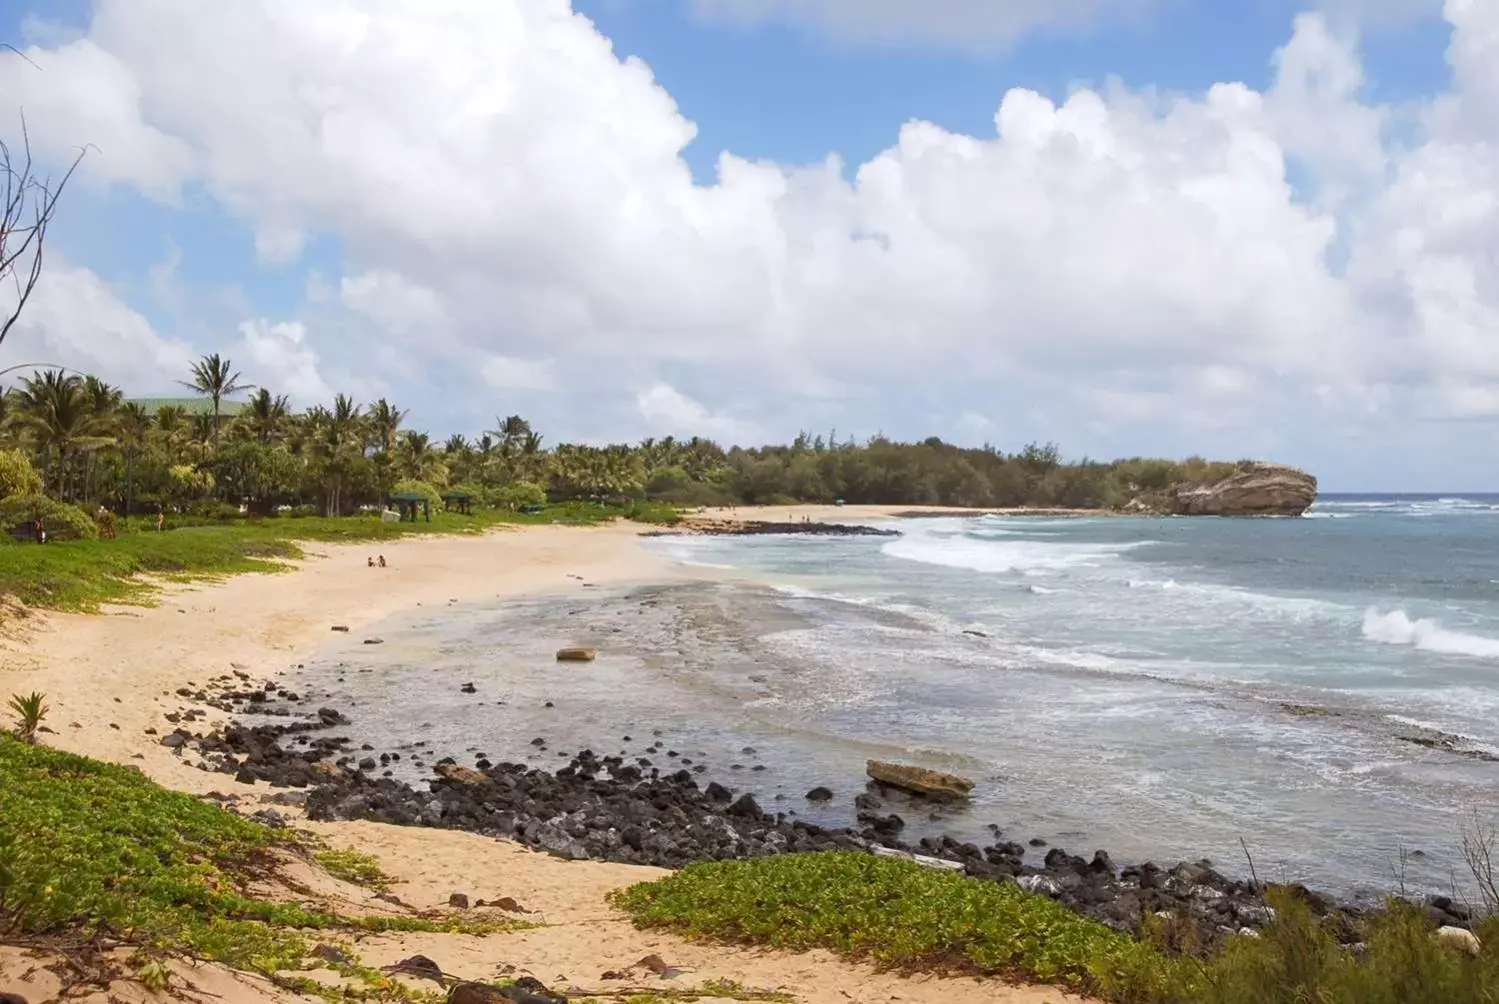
112 676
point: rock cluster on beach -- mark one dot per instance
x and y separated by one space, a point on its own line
629 810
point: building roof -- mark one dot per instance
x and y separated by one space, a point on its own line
191 405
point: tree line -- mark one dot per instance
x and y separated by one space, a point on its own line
89 445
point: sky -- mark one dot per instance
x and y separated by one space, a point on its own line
1234 228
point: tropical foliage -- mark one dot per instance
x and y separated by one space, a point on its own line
88 445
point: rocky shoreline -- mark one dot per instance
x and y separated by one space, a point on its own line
761 528
657 808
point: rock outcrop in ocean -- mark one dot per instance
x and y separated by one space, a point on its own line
1260 489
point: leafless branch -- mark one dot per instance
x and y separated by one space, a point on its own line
1253 875
1480 843
1399 867
30 204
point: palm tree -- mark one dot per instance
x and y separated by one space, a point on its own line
511 431
58 411
385 424
133 426
105 401
266 415
336 437
415 455
215 379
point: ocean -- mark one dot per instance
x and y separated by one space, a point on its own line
1324 688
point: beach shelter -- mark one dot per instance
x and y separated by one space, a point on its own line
462 501
408 503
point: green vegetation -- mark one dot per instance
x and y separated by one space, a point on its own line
86 444
900 915
353 866
30 711
90 848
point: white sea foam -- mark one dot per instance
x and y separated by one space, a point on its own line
960 550
1395 627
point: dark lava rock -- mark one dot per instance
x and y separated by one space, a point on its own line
421 967
820 794
602 808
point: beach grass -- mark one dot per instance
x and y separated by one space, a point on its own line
82 575
93 849
902 916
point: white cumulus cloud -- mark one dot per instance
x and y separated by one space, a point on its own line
1120 270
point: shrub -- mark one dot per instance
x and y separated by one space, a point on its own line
62 521
422 488
518 494
659 513
208 509
17 476
190 482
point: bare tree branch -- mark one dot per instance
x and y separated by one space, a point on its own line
30 204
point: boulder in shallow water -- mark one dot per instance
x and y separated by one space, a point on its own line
932 783
576 655
1257 489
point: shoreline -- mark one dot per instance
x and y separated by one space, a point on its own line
118 674
111 677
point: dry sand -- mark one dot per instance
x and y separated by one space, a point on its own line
112 676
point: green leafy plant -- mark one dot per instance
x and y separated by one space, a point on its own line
900 915
355 867
30 711
94 848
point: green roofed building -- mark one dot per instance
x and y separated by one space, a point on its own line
191 405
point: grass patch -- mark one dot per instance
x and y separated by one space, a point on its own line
902 916
91 848
82 575
354 867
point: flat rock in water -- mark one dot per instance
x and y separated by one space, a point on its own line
576 654
919 780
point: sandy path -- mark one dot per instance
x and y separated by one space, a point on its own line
110 677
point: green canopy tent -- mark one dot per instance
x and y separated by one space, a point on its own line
407 504
462 501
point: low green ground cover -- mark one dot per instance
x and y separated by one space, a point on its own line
92 848
901 915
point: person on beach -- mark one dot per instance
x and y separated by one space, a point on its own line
161 518
41 531
382 561
370 562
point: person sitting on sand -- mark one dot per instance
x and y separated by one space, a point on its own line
370 562
382 561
